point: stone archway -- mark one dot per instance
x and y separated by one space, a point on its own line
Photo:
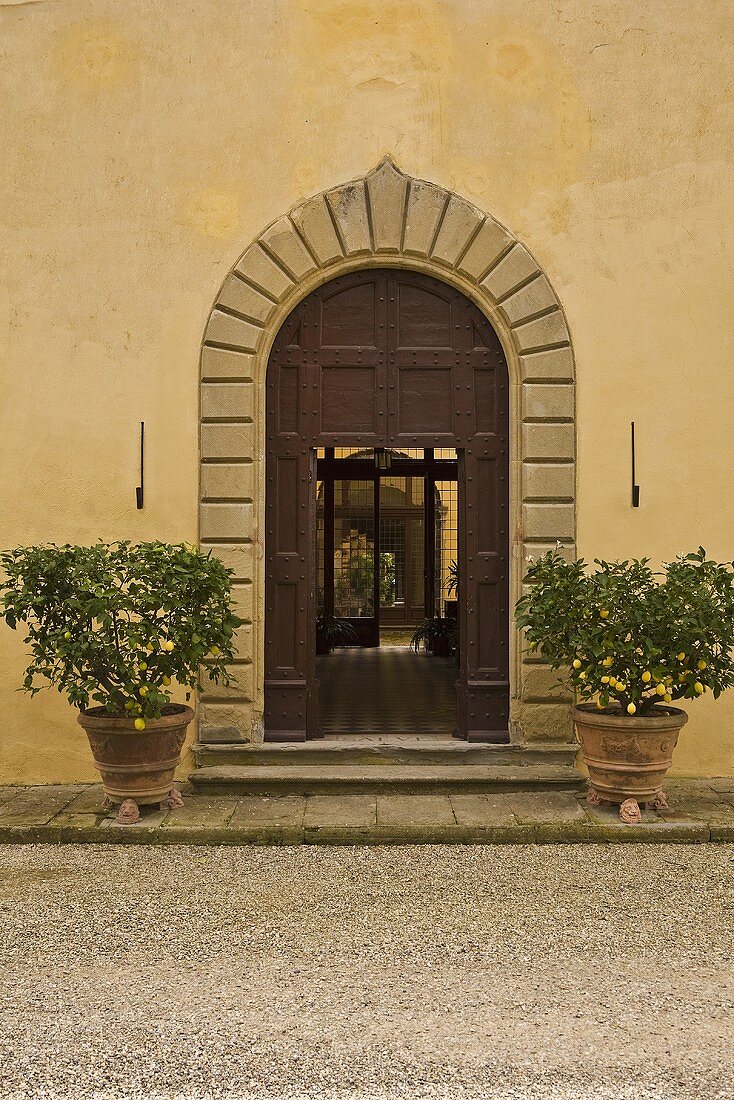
386 218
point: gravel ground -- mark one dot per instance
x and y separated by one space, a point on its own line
402 972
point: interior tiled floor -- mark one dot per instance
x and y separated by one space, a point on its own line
386 690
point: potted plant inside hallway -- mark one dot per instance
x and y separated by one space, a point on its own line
332 632
439 636
634 641
114 627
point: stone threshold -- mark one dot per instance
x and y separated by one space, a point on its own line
701 811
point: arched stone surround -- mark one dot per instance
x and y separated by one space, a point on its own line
382 219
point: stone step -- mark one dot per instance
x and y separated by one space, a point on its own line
342 778
379 750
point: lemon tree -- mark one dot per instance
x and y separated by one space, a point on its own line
631 637
116 624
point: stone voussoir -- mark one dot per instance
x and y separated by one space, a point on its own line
511 272
387 191
314 223
459 224
426 204
349 207
262 272
222 364
282 240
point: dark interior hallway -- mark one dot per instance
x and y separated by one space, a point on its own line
386 690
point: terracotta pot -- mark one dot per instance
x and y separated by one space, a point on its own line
627 758
137 766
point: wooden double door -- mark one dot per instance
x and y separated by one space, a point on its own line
377 360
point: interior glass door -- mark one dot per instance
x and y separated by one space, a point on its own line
402 558
355 554
386 538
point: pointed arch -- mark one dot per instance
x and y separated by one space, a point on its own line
385 218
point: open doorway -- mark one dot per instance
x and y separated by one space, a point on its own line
387 628
390 389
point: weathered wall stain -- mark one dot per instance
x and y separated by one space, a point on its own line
214 213
93 54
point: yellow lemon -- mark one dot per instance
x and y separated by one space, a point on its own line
577 663
142 666
631 708
698 688
150 647
582 675
168 646
214 651
701 665
532 645
660 689
681 656
668 698
605 679
620 687
139 723
608 662
646 677
166 680
67 635
143 691
604 613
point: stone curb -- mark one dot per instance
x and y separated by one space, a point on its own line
572 832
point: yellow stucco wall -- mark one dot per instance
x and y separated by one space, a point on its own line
149 143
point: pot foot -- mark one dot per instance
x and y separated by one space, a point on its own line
128 812
174 800
107 803
629 812
592 798
660 801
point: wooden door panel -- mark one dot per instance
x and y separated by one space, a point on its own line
286 487
348 401
485 401
288 404
425 405
349 316
423 317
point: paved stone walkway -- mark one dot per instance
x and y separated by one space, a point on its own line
700 811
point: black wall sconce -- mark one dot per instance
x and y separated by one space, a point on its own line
140 489
635 486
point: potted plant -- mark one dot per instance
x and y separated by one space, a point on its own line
438 635
451 605
332 631
634 641
113 626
